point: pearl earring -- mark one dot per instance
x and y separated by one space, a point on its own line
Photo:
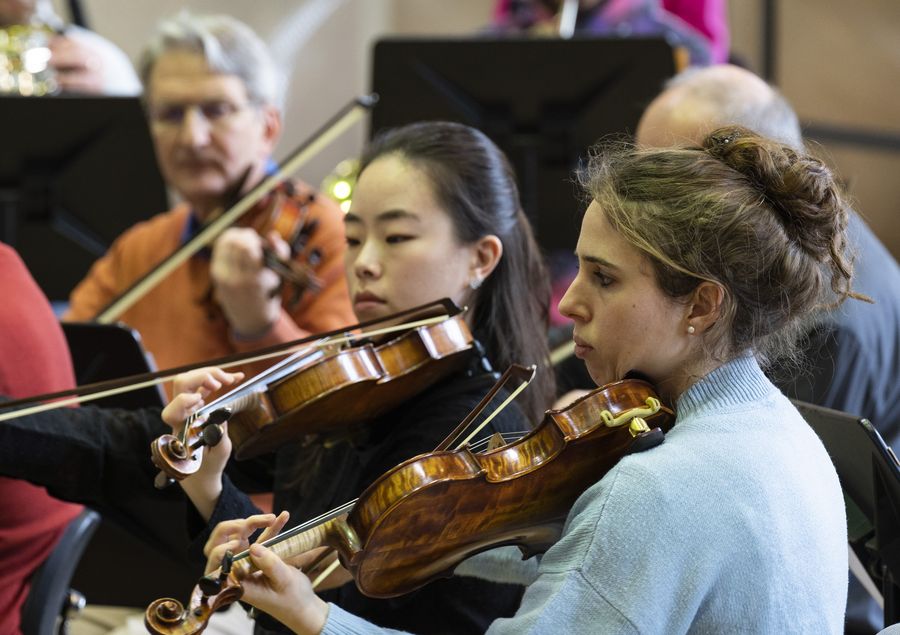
691 329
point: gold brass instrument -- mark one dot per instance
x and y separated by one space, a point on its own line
25 61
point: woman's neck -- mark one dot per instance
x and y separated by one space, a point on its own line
671 388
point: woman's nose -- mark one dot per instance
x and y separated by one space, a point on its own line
571 305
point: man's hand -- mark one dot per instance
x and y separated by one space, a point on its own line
79 69
243 286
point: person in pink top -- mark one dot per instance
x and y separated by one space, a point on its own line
700 26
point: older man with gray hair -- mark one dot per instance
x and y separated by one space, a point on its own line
213 97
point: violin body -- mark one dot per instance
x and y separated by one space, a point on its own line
322 392
351 387
424 517
285 210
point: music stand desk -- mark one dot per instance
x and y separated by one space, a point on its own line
870 478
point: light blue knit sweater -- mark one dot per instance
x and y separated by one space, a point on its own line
734 525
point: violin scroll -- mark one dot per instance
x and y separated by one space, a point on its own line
170 617
177 457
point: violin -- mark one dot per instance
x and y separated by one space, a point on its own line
318 390
418 521
90 392
345 118
285 210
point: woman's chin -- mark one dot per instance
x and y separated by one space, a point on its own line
600 378
366 311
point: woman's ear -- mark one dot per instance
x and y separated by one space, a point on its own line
486 254
705 307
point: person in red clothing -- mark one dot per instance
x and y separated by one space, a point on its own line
214 101
34 359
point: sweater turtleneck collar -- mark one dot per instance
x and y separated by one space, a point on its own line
734 383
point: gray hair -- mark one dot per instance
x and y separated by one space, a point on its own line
767 113
229 47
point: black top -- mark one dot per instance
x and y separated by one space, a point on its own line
453 605
101 458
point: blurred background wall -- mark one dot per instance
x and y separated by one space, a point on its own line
837 62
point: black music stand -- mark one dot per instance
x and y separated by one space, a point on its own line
102 352
75 172
139 542
543 101
870 477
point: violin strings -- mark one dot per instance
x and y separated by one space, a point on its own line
332 341
349 337
132 382
13 414
490 417
270 374
305 353
508 437
349 505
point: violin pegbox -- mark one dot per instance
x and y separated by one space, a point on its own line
178 458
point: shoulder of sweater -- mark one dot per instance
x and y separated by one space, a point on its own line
166 224
690 445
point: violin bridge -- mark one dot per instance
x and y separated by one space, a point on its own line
496 441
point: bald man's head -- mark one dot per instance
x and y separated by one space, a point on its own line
698 101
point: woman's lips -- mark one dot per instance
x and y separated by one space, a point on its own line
581 348
366 300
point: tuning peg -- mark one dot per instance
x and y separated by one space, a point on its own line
210 585
219 415
210 436
163 480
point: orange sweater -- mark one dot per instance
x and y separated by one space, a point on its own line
176 322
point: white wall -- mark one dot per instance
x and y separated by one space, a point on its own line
323 45
839 63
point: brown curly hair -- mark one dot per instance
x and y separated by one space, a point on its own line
764 221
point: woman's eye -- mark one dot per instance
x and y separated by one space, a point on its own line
602 279
397 238
352 242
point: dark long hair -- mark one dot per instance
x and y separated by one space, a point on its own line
473 181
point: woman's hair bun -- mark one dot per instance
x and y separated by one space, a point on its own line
797 187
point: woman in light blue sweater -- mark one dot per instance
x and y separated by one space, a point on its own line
695 265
